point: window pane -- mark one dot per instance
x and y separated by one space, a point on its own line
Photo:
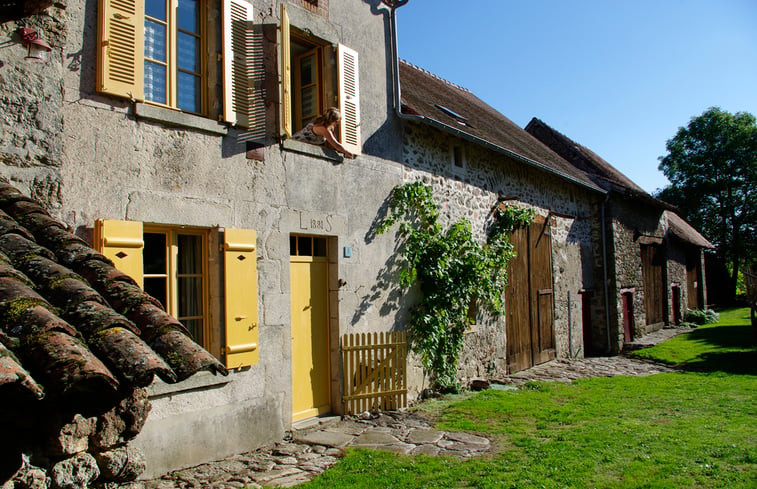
190 254
305 246
189 92
188 57
190 296
309 101
156 287
319 246
155 82
156 9
308 70
188 15
195 328
293 245
155 41
154 254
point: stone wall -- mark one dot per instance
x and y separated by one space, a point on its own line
31 106
472 193
676 273
73 447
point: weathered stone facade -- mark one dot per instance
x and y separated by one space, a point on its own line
472 193
628 220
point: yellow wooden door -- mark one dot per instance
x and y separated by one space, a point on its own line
310 337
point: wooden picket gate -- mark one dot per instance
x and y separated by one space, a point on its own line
375 372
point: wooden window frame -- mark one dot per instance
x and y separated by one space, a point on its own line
172 63
300 119
463 166
235 283
172 293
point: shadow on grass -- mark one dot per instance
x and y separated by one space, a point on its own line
725 336
737 349
732 362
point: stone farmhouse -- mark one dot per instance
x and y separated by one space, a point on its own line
211 265
655 259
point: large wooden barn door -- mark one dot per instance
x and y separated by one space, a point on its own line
529 299
652 261
518 317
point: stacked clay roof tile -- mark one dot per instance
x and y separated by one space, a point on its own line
70 322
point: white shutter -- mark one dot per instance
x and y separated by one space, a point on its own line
237 51
349 99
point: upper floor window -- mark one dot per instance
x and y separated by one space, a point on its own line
457 157
317 74
173 66
167 52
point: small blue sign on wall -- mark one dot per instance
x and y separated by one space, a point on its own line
347 251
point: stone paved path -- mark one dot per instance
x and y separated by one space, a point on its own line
310 451
567 370
318 443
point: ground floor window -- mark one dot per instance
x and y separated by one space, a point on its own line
204 277
175 274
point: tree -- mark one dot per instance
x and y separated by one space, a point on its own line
712 168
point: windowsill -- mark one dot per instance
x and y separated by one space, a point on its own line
176 118
200 380
311 150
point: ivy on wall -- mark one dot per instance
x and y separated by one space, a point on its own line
453 271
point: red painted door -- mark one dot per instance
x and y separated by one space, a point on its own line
628 322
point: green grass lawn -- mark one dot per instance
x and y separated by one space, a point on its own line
726 346
693 429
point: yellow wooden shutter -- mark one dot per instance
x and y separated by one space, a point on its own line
122 242
286 75
120 48
237 88
241 291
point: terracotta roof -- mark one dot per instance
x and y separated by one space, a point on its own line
454 109
71 323
682 230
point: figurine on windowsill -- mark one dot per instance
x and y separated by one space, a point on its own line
320 131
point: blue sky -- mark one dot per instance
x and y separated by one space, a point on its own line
618 77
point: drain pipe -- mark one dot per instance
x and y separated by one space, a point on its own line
396 96
604 271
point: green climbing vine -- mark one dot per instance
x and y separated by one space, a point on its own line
452 269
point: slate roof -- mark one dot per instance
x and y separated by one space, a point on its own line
454 109
71 324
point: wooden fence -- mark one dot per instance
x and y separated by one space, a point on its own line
375 372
